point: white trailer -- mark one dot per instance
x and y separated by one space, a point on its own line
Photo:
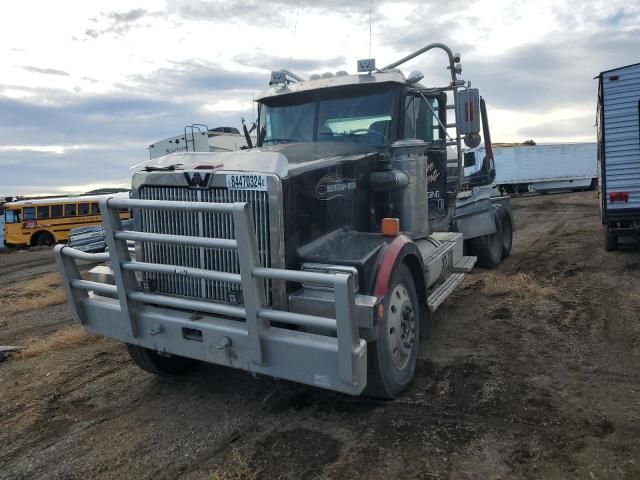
619 152
546 167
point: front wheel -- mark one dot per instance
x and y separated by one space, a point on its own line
392 357
45 239
160 364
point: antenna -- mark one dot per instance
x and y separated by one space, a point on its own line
370 10
295 28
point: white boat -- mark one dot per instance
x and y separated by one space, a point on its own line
199 138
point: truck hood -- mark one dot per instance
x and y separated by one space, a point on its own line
284 160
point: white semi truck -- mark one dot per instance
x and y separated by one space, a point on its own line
318 256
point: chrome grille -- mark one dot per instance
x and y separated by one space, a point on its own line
211 225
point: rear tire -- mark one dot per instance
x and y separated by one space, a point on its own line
507 232
392 357
164 365
489 248
610 240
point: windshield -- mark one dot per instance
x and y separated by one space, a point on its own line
356 118
12 216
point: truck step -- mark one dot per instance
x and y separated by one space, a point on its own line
443 291
438 253
465 264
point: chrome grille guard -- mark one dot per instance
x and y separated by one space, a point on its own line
239 336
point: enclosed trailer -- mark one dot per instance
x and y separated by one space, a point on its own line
546 167
619 152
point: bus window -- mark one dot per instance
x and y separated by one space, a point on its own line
12 216
29 213
56 211
42 213
70 210
83 209
95 209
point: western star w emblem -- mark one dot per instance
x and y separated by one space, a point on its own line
196 180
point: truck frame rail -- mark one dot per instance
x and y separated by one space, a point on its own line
248 335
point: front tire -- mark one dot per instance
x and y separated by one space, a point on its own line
392 357
163 365
45 239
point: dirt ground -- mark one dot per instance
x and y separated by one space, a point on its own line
531 371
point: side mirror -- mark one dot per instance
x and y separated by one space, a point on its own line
468 111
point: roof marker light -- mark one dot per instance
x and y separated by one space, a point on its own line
415 77
366 65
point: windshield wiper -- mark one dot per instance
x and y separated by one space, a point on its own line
286 140
339 135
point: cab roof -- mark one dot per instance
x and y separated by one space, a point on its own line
334 81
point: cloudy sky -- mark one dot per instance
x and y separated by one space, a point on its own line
86 86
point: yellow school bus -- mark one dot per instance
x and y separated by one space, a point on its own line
47 221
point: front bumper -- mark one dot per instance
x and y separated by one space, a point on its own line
323 349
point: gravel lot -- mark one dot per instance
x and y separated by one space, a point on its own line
531 371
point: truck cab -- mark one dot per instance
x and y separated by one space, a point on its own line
317 256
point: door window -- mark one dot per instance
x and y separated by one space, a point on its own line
419 120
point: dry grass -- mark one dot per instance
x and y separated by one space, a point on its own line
521 285
33 294
236 467
519 291
67 337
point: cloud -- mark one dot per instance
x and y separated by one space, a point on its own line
127 17
579 126
196 77
262 60
273 13
92 138
117 23
31 172
554 74
44 71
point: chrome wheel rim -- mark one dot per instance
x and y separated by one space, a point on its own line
401 326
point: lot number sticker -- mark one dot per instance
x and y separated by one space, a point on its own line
247 182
